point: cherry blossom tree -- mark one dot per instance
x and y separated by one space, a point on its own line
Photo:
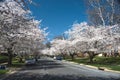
11 19
17 25
63 47
32 40
59 45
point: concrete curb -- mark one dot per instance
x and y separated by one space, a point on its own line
89 66
94 67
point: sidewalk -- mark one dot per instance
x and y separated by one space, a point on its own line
94 67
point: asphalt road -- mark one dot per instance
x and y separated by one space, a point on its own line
48 69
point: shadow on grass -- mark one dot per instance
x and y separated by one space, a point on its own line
32 76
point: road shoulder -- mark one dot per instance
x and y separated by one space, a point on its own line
93 67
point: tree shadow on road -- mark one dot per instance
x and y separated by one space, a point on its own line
31 76
45 64
27 74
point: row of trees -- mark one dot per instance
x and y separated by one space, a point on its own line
83 38
19 32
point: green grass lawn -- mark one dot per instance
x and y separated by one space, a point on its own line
3 59
3 71
16 63
112 63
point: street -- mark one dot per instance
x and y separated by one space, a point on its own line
48 69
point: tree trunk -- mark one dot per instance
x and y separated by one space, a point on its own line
91 59
36 58
91 56
9 56
63 55
105 54
72 56
20 59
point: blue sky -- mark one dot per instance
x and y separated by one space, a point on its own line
59 15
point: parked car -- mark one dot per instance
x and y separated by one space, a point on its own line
30 61
58 58
2 67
